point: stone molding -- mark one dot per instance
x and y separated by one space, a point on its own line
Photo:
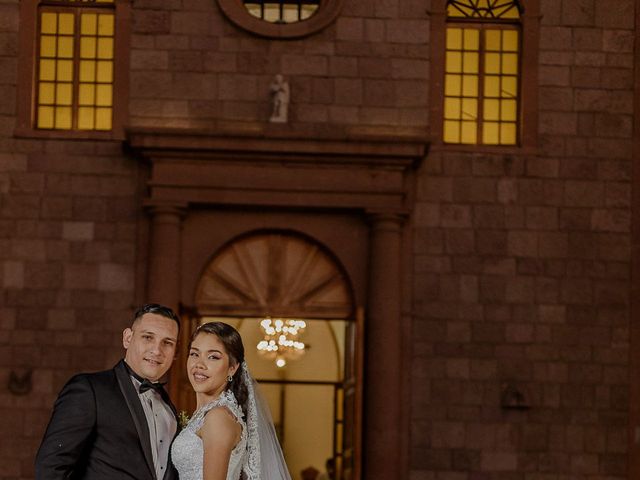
193 167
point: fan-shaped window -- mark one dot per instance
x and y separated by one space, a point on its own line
274 274
482 72
484 9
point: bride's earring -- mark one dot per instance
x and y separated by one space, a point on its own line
229 379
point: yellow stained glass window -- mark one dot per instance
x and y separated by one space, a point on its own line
87 71
103 118
45 116
482 64
86 118
501 87
461 84
104 72
75 66
47 69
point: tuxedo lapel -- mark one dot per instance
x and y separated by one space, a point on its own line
137 413
167 400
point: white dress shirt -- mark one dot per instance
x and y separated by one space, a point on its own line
162 426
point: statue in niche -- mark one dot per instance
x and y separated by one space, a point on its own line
280 99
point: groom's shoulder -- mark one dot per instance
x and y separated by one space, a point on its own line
102 377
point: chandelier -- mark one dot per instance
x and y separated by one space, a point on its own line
281 340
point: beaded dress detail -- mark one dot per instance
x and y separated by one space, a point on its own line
187 452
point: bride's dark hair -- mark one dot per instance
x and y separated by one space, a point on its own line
232 342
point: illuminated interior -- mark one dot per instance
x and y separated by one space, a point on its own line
290 301
75 68
304 396
282 11
481 98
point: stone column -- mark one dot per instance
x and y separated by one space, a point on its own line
383 330
164 259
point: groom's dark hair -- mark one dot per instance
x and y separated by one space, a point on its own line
156 309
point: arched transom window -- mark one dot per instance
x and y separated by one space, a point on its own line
276 274
282 11
482 72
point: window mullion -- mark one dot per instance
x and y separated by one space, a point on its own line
481 80
76 68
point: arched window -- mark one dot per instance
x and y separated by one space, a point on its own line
281 18
482 72
282 11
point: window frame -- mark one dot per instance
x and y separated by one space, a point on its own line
482 77
528 83
27 70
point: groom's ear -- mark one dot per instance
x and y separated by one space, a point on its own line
127 333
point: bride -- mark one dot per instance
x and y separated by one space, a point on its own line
230 436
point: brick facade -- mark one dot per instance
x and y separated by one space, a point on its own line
521 262
522 275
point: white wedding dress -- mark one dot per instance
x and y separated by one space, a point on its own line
187 452
258 454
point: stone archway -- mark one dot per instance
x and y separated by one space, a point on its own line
284 274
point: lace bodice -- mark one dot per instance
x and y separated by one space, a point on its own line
187 452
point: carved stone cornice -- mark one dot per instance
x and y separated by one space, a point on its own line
279 168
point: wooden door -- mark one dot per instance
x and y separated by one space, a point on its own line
349 413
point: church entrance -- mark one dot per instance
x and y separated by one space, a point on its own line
292 302
228 213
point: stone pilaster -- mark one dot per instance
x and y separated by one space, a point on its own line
383 378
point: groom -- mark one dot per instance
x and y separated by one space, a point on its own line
118 423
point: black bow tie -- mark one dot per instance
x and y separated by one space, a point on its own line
147 385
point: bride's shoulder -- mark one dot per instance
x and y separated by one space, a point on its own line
228 400
225 402
219 415
220 426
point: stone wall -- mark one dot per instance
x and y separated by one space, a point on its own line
191 67
522 263
68 253
522 275
68 237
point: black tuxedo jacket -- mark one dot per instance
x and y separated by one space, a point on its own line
98 431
